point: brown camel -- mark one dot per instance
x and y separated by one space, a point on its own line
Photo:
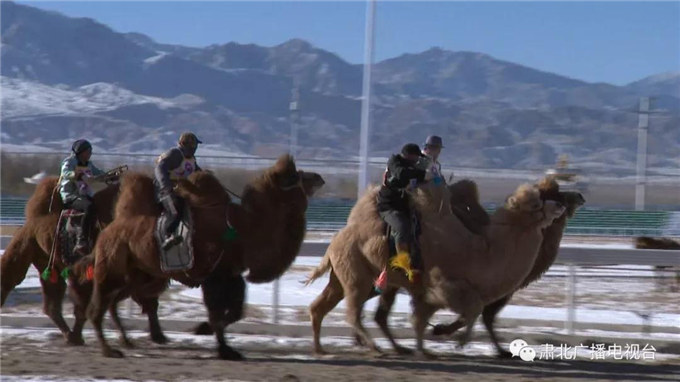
552 236
270 225
642 242
32 244
486 266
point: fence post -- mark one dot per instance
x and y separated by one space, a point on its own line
275 301
571 300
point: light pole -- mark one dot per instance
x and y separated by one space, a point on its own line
362 182
641 178
294 117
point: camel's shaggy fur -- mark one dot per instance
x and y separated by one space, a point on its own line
552 236
32 244
269 223
486 266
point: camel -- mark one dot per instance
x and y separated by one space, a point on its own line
32 244
466 197
552 236
487 266
646 242
270 226
465 205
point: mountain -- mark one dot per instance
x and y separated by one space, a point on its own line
64 78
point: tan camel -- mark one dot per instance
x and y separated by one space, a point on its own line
467 270
552 236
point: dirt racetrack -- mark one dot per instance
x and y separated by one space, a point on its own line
41 354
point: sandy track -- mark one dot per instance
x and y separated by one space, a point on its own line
43 352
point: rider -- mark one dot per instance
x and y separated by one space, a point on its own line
177 163
76 193
402 173
433 147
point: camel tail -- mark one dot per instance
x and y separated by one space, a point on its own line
324 267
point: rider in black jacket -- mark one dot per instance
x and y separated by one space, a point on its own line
401 174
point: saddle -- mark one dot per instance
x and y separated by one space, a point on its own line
179 257
70 221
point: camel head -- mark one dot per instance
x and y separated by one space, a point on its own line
311 182
465 205
527 201
276 203
572 201
550 190
654 243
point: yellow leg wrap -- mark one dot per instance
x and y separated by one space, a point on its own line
403 261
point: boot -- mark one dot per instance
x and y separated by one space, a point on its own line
381 282
82 247
171 241
402 261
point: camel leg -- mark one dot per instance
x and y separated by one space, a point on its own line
113 312
489 316
103 296
324 303
150 307
422 311
236 301
385 304
448 329
355 299
216 290
80 295
53 296
473 307
109 283
15 262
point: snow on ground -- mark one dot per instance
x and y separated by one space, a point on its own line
614 295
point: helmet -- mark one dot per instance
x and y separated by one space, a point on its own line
189 139
81 145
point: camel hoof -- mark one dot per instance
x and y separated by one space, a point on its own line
229 354
358 341
504 354
126 343
319 351
113 353
440 330
159 338
75 339
403 351
203 329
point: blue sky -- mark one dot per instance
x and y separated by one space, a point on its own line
615 42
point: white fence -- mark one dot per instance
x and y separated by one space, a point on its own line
572 256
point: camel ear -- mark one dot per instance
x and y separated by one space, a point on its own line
512 202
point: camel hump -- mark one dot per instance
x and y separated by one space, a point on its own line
46 195
137 196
